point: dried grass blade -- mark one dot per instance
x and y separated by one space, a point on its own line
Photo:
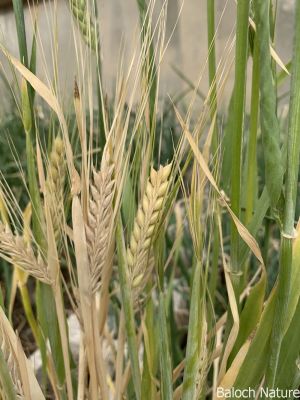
23 370
52 101
11 337
233 308
229 378
243 231
7 390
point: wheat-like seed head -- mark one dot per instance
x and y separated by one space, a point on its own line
14 250
56 173
139 257
85 22
98 228
12 364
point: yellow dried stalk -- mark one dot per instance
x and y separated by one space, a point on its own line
100 215
55 185
2 394
85 22
14 250
139 250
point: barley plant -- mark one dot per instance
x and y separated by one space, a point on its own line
150 249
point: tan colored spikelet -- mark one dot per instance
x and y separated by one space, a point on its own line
85 22
139 257
56 173
100 214
14 250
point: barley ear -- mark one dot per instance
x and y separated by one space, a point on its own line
15 251
55 181
139 258
98 227
85 22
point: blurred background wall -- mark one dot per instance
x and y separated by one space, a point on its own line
119 23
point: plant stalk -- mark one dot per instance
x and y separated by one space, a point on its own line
238 128
287 235
128 310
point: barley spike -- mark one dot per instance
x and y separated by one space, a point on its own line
139 256
98 228
55 185
85 22
14 250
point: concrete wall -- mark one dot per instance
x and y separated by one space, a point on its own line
119 24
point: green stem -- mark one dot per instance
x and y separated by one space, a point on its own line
251 159
284 280
165 357
237 129
212 66
128 310
29 312
149 360
213 280
21 32
149 65
213 109
101 124
267 237
194 342
268 106
37 215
